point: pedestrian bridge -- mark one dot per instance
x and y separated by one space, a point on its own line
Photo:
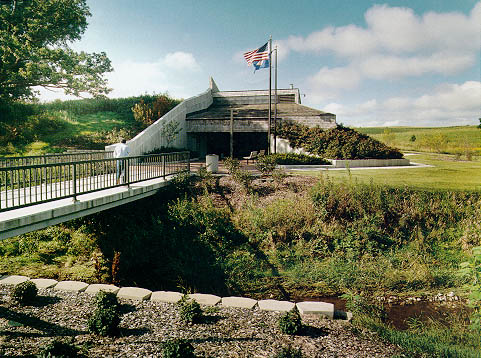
36 192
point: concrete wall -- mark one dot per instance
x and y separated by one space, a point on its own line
253 97
359 163
223 126
326 121
283 146
151 138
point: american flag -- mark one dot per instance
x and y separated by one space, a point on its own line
260 54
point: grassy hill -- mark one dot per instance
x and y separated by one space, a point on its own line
460 140
30 129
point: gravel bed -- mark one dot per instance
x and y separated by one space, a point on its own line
226 332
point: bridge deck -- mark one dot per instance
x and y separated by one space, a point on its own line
36 196
30 218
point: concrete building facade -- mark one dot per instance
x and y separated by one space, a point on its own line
215 122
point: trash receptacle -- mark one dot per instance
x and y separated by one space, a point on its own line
212 163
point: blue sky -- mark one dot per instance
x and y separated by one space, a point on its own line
386 63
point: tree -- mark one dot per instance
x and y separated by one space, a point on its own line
34 49
479 126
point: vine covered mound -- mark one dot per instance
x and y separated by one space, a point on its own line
336 143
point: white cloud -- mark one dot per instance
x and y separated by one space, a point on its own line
169 73
449 104
335 78
395 30
453 97
180 61
395 43
383 67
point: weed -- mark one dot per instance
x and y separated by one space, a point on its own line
116 268
473 268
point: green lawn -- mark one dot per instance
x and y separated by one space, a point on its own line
462 140
446 174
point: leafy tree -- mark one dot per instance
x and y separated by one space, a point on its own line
479 126
34 51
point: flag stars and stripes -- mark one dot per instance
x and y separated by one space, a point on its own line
254 56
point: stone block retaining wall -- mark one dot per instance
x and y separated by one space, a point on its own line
134 293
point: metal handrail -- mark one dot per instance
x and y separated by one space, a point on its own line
27 185
6 162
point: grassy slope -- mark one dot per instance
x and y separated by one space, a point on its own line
455 139
31 129
446 174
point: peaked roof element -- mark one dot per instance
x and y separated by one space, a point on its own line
213 85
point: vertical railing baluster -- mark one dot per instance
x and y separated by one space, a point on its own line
74 182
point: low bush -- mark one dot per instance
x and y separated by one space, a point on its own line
106 318
177 348
290 322
60 349
232 165
24 293
189 310
266 164
289 352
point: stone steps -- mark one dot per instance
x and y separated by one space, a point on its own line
323 309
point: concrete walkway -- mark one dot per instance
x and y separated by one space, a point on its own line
31 218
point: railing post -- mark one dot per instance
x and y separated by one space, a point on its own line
74 182
188 162
163 166
127 172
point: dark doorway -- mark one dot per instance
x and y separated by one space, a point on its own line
244 143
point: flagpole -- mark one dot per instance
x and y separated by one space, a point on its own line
270 90
275 106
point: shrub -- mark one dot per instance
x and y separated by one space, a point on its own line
189 310
337 143
266 164
106 317
290 322
297 159
289 352
178 348
59 349
232 165
24 293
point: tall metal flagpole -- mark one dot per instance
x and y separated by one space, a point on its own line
275 106
270 90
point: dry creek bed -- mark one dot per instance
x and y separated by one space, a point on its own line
226 332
